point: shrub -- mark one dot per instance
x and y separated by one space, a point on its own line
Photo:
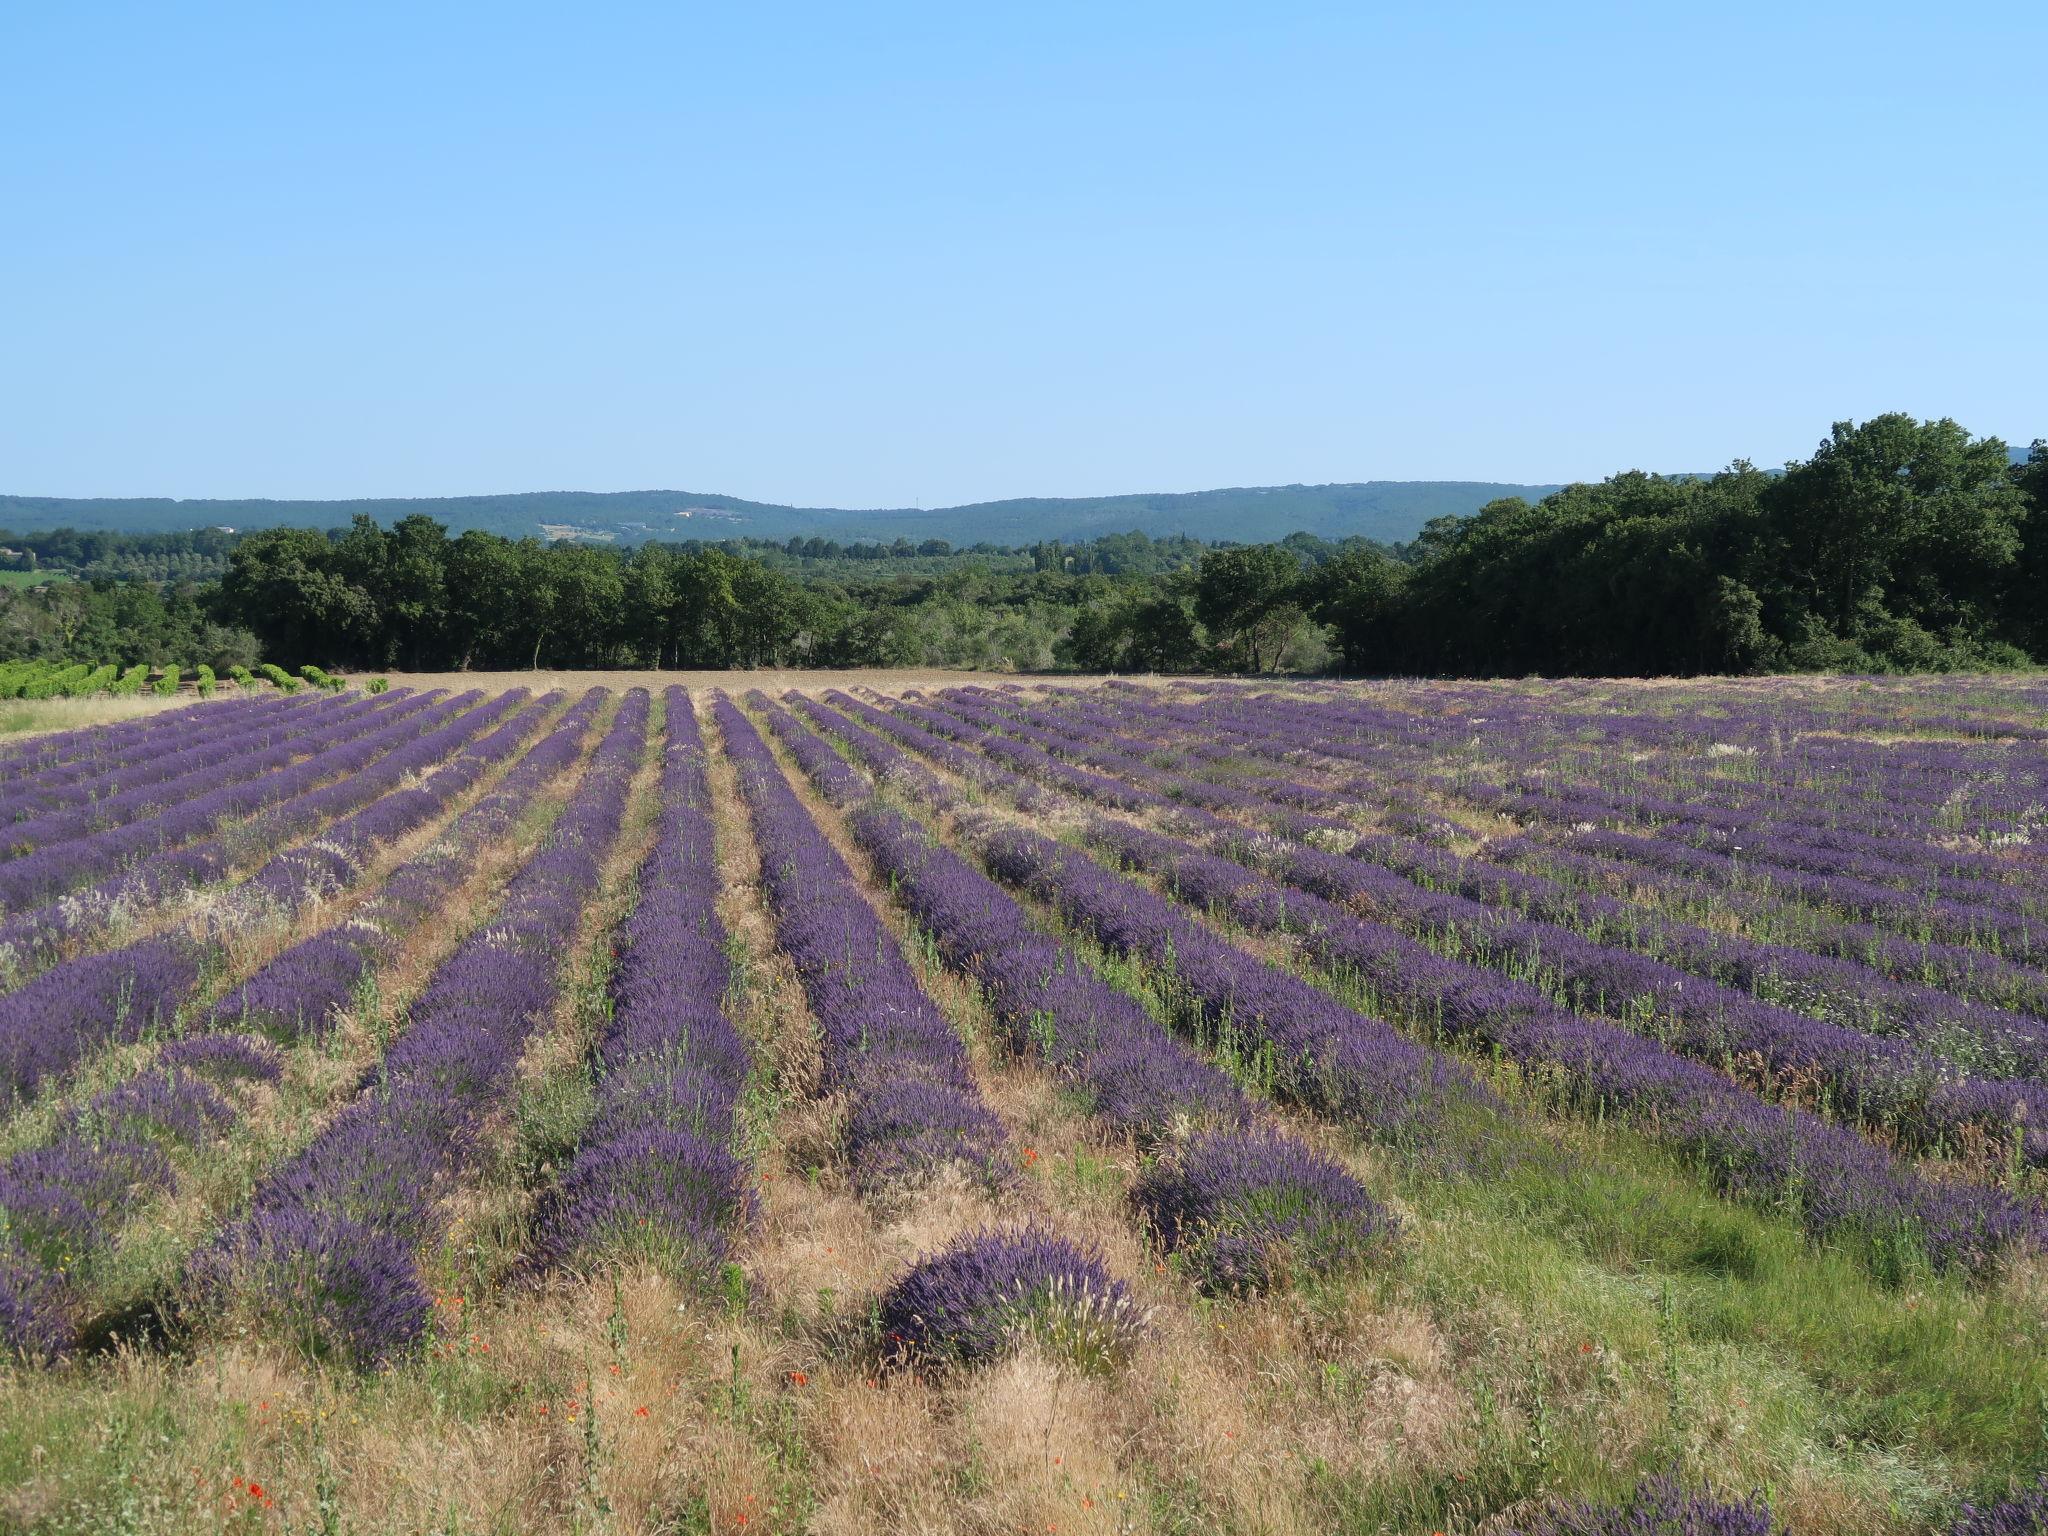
32 1320
666 1195
339 1289
377 685
94 680
1248 1209
980 1298
54 680
203 676
224 1058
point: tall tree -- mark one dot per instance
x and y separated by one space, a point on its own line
1896 519
483 583
1249 600
588 584
1358 594
414 594
285 584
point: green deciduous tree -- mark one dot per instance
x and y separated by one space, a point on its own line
1896 520
1249 600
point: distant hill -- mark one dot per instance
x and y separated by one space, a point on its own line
1388 510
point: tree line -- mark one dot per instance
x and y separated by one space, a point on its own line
197 554
1898 545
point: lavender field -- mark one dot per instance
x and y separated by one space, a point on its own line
1176 1107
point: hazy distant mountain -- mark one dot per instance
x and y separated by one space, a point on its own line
1379 509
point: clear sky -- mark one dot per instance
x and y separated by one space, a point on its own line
876 254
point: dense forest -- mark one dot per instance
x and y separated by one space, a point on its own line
1899 545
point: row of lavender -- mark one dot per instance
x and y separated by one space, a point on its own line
914 1110
234 773
1838 1183
1702 992
329 1250
656 1173
49 1024
67 1198
1241 1203
913 1107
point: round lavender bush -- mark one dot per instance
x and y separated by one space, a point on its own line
989 1291
1247 1210
338 1288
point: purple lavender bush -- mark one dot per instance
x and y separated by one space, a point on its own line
655 1177
985 1294
327 1252
331 1285
64 1203
33 1325
666 1196
1248 1210
225 1058
61 1200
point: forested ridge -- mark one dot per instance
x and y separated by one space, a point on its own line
1898 545
1382 509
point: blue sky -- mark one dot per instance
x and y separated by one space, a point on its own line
883 254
